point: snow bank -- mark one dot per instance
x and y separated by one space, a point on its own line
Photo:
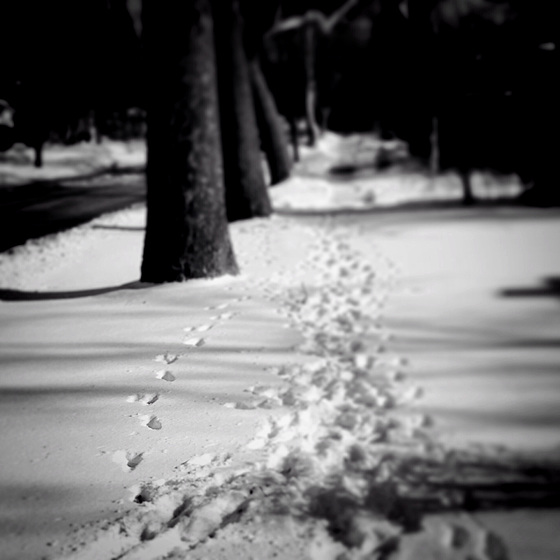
64 162
361 172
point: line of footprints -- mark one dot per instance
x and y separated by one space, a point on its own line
129 460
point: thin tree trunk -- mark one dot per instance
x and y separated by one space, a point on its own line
187 233
38 149
246 192
273 137
434 147
309 46
466 183
294 136
421 106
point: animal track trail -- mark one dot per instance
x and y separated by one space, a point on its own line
128 460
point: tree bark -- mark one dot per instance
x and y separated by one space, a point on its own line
186 233
273 137
246 192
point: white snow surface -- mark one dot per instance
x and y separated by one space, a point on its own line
61 161
268 415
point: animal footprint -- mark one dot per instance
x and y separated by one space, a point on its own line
201 328
152 422
227 315
143 398
127 460
165 375
219 306
194 342
166 358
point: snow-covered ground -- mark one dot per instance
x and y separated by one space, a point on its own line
62 162
279 413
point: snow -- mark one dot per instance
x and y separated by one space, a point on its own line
317 187
69 161
280 413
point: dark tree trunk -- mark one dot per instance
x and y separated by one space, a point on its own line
38 149
187 233
246 192
421 107
466 183
294 136
309 54
273 137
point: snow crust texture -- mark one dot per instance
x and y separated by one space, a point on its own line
339 471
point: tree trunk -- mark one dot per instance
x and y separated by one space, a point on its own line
246 192
273 137
309 47
420 107
187 233
468 196
294 136
434 147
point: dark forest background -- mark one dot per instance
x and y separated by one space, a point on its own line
474 80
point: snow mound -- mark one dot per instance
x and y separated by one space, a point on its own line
54 251
358 172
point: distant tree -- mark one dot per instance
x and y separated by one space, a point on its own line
272 133
246 192
422 73
63 60
539 93
476 106
186 232
258 18
311 26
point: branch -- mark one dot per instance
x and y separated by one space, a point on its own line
339 14
325 24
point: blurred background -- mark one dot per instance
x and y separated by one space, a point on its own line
465 84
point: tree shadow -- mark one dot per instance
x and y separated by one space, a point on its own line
119 228
442 483
451 208
470 480
550 287
21 295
